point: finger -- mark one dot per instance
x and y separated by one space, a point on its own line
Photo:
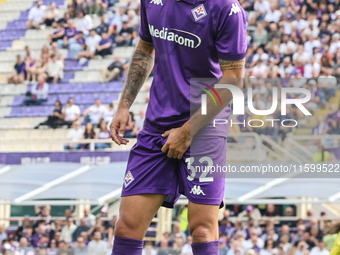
166 133
180 156
170 153
121 131
115 138
165 148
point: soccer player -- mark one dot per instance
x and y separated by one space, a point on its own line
181 39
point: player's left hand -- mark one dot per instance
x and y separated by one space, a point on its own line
178 142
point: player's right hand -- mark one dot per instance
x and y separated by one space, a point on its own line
118 126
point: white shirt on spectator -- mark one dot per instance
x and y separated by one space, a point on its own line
97 112
71 112
75 135
259 70
310 45
265 252
41 93
85 24
97 248
67 231
262 7
284 47
315 32
334 46
249 244
150 252
309 68
91 42
301 24
317 251
287 26
302 57
55 68
37 14
274 16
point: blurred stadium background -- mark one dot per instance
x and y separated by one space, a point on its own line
49 173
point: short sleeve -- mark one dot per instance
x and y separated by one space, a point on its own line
144 32
231 33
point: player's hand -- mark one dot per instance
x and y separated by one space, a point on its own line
118 126
178 142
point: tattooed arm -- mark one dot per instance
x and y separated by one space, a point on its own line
179 139
140 68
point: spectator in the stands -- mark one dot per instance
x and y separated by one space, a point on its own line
3 235
57 35
24 248
55 69
55 119
53 249
39 92
80 248
62 21
36 15
327 86
334 128
91 45
85 23
139 122
51 13
103 27
18 75
74 135
82 227
109 115
124 37
333 113
55 50
70 35
89 217
130 126
105 46
95 112
272 130
320 249
114 70
104 133
28 54
67 230
177 231
116 22
98 7
250 211
271 211
38 238
71 112
79 46
89 134
97 246
148 249
254 242
321 128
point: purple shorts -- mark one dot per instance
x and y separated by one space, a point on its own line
150 171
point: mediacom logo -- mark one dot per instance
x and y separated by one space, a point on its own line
239 102
175 35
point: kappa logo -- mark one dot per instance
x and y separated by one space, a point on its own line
128 179
196 190
199 12
157 2
234 9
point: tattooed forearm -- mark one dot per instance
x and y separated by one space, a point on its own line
232 65
139 70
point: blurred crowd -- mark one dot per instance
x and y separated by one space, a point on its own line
243 230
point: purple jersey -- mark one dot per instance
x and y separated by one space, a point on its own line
71 32
189 37
108 40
